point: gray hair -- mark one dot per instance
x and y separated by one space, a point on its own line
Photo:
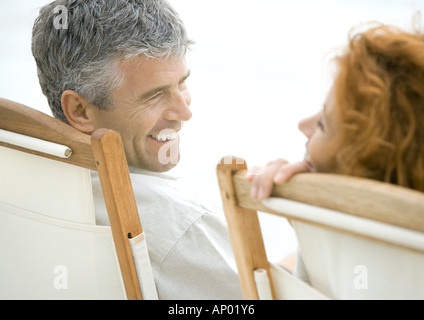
81 52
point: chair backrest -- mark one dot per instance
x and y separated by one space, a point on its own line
359 238
50 244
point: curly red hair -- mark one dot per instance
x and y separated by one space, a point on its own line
379 92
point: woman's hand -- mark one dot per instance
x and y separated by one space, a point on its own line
278 172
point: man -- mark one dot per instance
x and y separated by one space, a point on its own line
119 64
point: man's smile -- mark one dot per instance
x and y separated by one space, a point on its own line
165 135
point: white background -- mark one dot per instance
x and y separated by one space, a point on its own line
258 67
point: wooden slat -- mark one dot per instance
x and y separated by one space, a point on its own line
244 230
365 198
120 202
19 118
370 199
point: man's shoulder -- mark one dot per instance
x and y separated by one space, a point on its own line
159 195
168 203
167 209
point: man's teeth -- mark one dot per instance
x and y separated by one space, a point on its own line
165 137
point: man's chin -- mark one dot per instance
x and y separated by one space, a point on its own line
155 166
165 168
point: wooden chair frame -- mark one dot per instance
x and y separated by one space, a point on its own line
379 201
103 152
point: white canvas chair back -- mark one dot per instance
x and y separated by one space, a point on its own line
28 180
353 257
50 245
359 239
47 258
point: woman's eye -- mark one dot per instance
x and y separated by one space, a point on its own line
320 124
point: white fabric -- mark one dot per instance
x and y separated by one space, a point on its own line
288 287
188 244
38 178
47 221
262 284
347 267
143 267
31 143
47 258
353 224
343 266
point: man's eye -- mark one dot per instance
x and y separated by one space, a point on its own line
157 95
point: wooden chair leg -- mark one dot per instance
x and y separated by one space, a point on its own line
120 202
244 230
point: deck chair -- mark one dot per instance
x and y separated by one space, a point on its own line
50 245
358 238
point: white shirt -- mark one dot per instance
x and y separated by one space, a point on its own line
188 244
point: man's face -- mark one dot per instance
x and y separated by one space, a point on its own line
149 109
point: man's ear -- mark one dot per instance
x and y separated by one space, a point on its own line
79 112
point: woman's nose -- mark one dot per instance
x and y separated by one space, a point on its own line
307 125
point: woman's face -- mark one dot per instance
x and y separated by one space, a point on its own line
321 130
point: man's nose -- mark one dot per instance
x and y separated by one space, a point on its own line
180 108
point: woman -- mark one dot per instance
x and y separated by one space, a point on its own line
372 123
